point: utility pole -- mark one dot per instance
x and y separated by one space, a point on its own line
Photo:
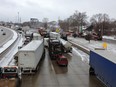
103 25
18 17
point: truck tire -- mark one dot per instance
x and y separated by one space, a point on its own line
18 82
91 71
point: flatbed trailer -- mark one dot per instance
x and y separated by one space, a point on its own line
103 65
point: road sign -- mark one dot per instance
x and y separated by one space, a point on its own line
57 30
104 45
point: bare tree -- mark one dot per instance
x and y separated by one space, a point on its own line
64 24
100 22
78 18
45 21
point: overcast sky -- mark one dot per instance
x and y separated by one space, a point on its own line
53 9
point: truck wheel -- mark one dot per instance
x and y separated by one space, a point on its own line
91 71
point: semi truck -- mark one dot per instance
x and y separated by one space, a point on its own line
30 55
103 66
66 46
54 48
10 76
55 35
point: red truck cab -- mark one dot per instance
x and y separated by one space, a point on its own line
62 60
11 72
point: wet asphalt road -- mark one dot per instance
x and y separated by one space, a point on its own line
52 75
7 37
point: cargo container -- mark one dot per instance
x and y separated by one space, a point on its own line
55 35
103 65
37 36
30 55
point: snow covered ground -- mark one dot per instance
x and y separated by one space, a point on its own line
110 37
6 59
8 43
93 44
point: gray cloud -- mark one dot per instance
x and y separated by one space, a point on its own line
53 9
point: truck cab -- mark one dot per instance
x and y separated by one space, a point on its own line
11 72
54 49
62 60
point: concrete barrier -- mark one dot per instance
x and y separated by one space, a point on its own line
80 47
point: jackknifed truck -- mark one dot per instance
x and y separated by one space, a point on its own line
103 65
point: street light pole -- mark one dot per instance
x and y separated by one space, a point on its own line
18 17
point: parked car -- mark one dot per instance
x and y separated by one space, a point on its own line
62 60
96 36
4 33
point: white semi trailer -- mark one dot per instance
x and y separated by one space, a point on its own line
55 35
66 45
30 55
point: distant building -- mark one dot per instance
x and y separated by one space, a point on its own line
34 23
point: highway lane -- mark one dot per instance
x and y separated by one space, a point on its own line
10 52
8 83
52 75
5 38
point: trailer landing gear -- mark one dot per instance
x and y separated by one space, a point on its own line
91 71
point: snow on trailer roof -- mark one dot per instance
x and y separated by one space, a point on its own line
106 54
32 46
36 34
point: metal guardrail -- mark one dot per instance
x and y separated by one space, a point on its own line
6 40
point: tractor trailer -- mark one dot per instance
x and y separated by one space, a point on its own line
30 55
103 65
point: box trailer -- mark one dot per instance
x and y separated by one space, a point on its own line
103 65
37 36
55 35
30 55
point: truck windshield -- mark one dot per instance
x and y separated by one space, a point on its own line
10 70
